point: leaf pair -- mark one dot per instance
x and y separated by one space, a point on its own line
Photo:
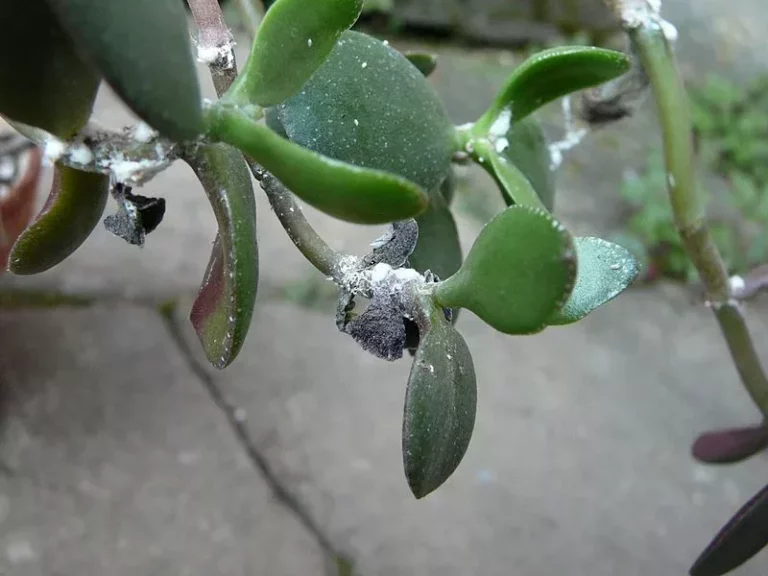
511 146
525 272
141 47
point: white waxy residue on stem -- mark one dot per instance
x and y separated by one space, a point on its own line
572 138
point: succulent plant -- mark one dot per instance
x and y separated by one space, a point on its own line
347 124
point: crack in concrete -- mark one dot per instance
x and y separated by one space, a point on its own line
342 564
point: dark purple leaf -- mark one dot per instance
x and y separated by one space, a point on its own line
731 445
738 541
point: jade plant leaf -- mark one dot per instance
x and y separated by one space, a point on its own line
143 49
347 192
438 248
739 540
424 61
222 312
605 270
515 187
440 405
293 41
367 105
730 446
72 211
547 76
50 85
520 269
527 149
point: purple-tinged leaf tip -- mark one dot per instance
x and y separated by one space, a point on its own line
731 445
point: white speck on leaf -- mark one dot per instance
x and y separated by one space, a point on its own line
356 122
365 64
309 42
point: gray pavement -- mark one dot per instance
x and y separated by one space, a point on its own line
121 453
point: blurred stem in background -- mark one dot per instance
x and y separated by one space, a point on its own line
649 35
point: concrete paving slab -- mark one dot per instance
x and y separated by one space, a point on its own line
116 461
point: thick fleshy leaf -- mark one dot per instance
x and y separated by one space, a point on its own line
223 309
738 541
527 149
72 211
292 42
730 446
17 205
605 270
347 192
48 86
547 76
520 270
368 106
438 248
424 61
514 185
440 405
143 49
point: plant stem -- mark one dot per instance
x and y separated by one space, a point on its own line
646 31
208 16
299 230
215 43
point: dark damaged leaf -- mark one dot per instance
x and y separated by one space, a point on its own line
72 211
223 309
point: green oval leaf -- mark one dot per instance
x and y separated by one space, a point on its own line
438 248
223 309
519 271
440 406
73 209
527 149
368 106
549 75
424 61
605 270
293 41
143 49
45 83
739 540
347 192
